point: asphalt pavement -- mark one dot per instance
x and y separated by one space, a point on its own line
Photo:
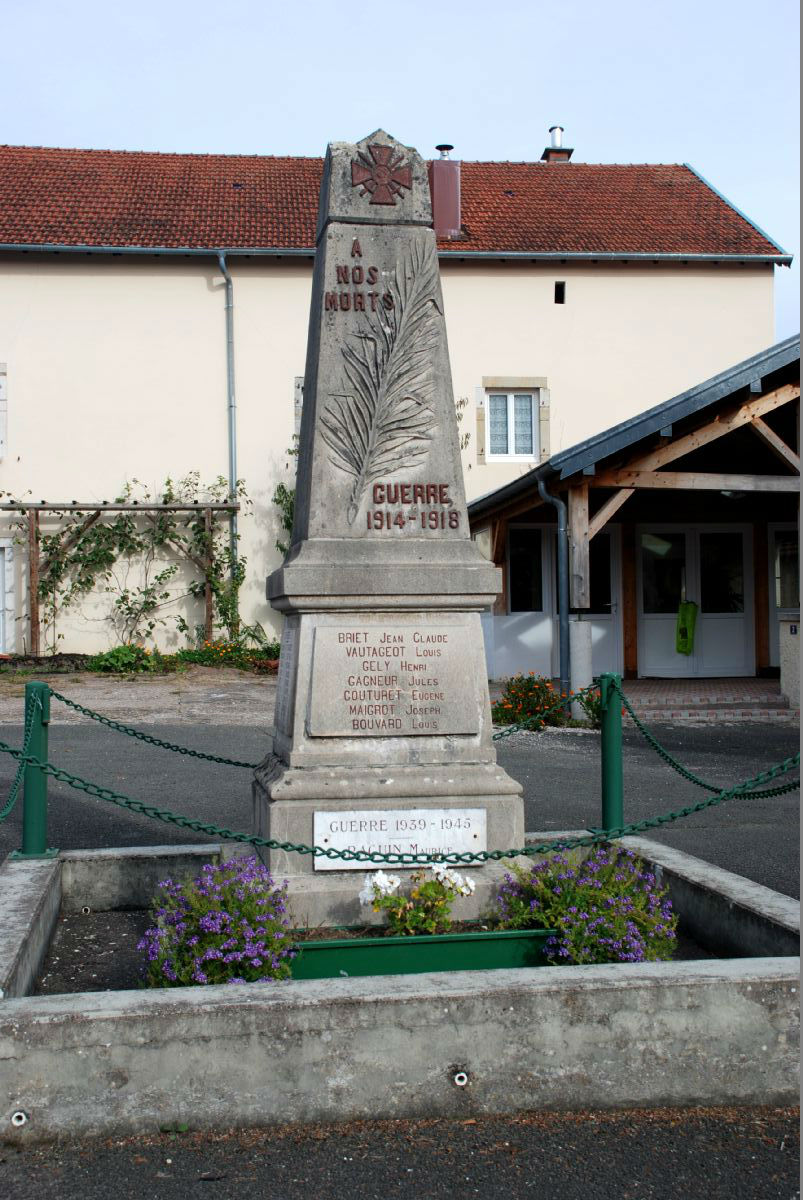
703 1154
558 769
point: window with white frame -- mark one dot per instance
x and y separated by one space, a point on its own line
512 424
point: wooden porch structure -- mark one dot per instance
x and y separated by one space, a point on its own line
736 435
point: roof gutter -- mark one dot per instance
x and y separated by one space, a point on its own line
561 256
563 586
231 407
169 251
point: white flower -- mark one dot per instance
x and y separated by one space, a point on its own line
367 893
378 885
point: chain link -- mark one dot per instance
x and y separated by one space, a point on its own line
149 738
401 859
26 743
664 754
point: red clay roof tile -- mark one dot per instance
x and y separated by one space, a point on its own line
194 201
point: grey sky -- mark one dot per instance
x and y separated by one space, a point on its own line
712 82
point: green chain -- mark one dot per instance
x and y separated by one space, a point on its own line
26 741
118 727
664 754
401 859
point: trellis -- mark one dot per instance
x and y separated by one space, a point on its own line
94 511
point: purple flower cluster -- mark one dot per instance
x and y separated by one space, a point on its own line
607 908
229 925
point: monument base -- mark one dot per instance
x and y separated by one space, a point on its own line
423 809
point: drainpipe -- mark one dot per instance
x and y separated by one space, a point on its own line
232 406
563 582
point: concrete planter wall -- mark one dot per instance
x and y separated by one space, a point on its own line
714 1031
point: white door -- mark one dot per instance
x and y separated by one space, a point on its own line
606 622
711 565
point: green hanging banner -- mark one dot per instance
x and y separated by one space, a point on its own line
684 630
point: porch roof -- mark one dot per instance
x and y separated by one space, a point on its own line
778 360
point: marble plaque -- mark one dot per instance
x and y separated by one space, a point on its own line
393 680
398 831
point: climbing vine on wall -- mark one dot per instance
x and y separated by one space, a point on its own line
134 555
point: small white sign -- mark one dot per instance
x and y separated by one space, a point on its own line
398 831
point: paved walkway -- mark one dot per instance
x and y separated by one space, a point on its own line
710 699
224 696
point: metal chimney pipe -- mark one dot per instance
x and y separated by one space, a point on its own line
557 136
444 149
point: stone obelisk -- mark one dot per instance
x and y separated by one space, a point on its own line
382 735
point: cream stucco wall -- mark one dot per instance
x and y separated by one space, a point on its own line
117 370
628 337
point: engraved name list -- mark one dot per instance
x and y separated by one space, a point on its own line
386 682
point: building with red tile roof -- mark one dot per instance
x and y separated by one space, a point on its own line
123 200
145 297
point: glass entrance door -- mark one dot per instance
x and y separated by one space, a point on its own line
712 567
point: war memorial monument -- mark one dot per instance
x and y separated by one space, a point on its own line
383 735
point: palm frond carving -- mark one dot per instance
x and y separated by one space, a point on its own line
386 421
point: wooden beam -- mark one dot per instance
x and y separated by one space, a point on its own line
499 542
775 443
722 425
73 539
579 583
132 506
603 515
499 557
515 510
700 481
33 580
629 603
208 597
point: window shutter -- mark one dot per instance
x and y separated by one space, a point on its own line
543 424
479 394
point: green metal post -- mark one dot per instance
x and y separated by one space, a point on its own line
612 777
34 812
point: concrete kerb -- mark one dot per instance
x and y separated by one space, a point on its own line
619 1035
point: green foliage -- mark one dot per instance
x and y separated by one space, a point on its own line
128 659
229 925
231 654
285 500
607 908
591 704
87 551
427 907
529 696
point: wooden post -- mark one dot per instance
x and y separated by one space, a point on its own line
629 603
208 560
579 582
499 558
33 579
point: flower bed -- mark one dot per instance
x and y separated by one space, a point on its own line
230 925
